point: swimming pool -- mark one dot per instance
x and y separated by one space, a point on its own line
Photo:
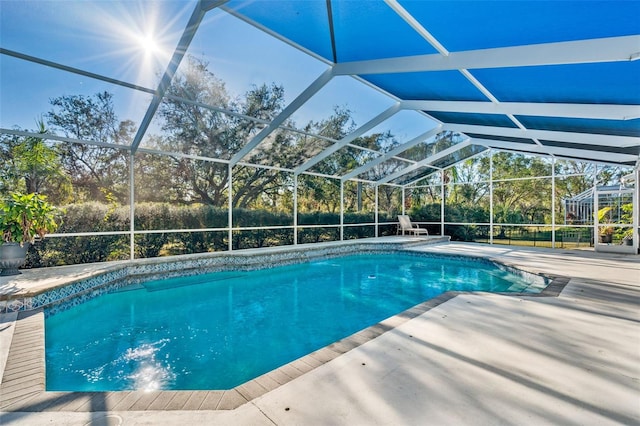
218 330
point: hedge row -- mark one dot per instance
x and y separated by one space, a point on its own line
97 217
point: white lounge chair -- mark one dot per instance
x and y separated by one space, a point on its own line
405 225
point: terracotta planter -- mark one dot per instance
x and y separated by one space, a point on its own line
605 238
12 256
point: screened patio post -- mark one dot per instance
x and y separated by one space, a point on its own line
442 202
295 209
132 208
635 234
341 210
553 202
595 206
377 213
491 196
230 208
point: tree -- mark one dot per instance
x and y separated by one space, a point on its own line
30 165
190 128
320 193
94 170
196 130
520 195
467 192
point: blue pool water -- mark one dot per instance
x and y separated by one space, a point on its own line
219 330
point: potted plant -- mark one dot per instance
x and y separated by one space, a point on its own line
23 218
605 234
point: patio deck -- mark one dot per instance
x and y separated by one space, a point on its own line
474 359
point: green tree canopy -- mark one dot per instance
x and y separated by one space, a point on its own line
32 165
95 170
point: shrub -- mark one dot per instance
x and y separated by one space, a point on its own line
98 217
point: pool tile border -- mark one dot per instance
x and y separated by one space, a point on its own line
23 384
122 274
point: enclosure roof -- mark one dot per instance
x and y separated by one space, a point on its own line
547 77
551 78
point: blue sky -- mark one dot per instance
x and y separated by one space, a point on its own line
104 37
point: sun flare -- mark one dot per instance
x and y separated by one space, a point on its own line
148 44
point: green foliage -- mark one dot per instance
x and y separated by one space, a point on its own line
193 130
355 232
80 218
317 235
626 217
99 217
30 165
93 169
467 232
318 194
507 165
25 216
604 215
426 213
610 175
464 213
94 217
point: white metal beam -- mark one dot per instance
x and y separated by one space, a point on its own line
417 26
612 49
178 54
303 97
395 151
478 85
580 138
415 181
608 157
53 137
349 138
73 70
591 111
425 162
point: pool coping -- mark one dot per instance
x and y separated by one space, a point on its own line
23 383
97 279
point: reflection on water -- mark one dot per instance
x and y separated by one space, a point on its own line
151 376
138 367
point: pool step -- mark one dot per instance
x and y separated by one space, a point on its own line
517 284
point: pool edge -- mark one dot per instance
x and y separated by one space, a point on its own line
23 383
106 277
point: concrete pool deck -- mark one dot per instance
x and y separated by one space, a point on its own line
474 359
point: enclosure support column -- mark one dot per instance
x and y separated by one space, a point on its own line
403 195
491 197
132 208
341 210
295 209
230 208
442 195
376 216
595 231
596 219
635 234
553 202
